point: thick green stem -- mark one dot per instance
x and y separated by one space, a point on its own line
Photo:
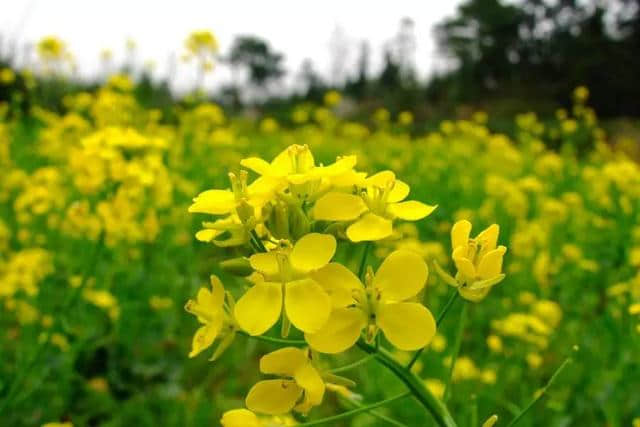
444 311
356 411
43 344
415 385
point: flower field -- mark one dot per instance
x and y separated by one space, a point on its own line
190 267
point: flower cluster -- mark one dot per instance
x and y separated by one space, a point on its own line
293 219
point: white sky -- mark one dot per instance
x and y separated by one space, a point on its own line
300 29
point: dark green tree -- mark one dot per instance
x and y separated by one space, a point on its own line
258 60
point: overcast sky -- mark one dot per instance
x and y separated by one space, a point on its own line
299 29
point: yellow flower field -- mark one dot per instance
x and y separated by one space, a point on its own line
194 268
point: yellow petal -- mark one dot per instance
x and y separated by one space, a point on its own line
408 326
463 264
259 308
307 305
308 378
341 166
411 210
313 251
349 179
491 264
206 235
399 192
336 206
381 179
401 276
273 397
265 263
263 187
370 227
340 333
240 418
460 234
215 202
205 336
338 282
282 162
488 239
217 292
284 362
259 166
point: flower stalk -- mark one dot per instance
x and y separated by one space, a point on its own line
415 385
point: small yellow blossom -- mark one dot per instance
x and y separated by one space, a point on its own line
478 260
301 388
215 319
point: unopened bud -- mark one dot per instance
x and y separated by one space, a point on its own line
237 266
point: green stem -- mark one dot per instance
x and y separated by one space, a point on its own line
356 411
273 340
363 261
353 365
456 350
541 392
43 345
416 386
377 414
444 311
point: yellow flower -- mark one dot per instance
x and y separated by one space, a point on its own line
435 386
296 166
7 76
216 321
405 118
381 304
285 280
381 201
51 48
246 418
243 204
201 42
478 260
301 388
332 98
103 299
534 360
581 94
494 343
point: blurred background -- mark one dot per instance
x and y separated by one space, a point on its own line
434 59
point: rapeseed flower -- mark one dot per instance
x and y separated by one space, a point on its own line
381 199
478 260
215 316
383 303
285 285
300 388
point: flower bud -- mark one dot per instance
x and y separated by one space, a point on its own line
237 266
